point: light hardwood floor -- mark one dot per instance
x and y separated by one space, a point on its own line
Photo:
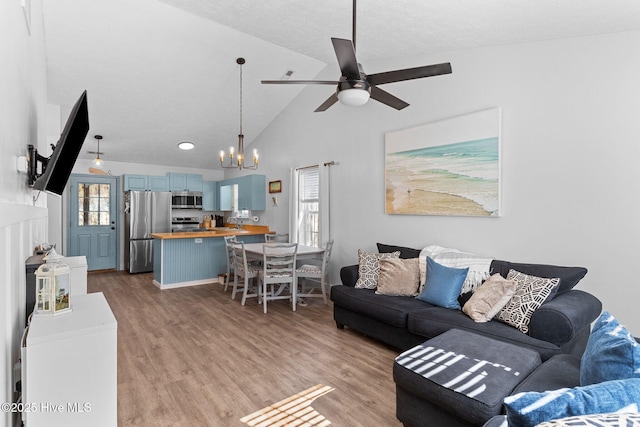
195 357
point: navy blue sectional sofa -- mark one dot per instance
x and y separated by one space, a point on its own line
559 326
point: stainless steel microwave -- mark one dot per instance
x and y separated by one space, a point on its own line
186 200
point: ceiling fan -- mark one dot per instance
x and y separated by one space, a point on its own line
355 86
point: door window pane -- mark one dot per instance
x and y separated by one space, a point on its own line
93 204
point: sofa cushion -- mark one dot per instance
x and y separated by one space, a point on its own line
612 353
530 294
569 276
529 409
405 253
489 298
392 310
433 321
560 371
398 277
443 285
369 268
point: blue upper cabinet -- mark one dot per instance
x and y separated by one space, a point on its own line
185 182
158 183
135 182
146 183
210 195
252 192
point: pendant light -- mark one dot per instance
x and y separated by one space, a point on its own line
97 162
239 157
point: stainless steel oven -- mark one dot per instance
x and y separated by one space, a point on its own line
181 224
186 200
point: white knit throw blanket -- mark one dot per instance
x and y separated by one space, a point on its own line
479 265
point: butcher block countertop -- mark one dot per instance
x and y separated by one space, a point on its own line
247 230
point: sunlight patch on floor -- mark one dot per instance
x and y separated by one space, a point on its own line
292 411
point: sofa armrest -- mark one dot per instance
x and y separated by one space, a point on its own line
561 319
349 275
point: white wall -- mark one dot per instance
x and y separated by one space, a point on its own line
23 222
570 149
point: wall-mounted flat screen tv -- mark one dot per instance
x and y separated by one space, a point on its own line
57 169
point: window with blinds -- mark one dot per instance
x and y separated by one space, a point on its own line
309 206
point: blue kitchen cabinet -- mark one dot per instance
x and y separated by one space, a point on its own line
185 182
146 183
210 195
252 192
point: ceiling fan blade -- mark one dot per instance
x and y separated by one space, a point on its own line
386 98
328 103
347 61
409 74
97 171
301 82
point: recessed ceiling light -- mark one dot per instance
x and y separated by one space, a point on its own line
186 145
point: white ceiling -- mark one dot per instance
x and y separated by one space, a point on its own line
159 72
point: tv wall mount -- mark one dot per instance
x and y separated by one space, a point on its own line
33 157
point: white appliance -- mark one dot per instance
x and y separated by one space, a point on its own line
69 367
145 212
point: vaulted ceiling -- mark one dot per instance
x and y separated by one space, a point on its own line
160 72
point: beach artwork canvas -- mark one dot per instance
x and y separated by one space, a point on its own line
449 167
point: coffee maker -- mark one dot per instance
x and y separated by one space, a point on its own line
219 221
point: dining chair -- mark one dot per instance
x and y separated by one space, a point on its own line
244 270
278 268
276 238
228 240
318 274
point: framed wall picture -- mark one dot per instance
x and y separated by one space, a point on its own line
449 167
275 186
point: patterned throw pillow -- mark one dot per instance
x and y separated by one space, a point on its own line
369 268
532 408
616 419
530 294
611 354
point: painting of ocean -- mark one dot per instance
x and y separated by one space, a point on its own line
446 171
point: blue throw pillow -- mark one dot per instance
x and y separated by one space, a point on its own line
443 285
611 354
532 408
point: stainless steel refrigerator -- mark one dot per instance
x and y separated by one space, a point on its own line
145 212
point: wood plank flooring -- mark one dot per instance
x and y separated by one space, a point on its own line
195 357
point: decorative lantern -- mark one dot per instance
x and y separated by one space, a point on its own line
53 286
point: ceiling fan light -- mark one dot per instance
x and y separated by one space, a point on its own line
353 97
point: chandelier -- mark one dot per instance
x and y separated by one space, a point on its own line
239 157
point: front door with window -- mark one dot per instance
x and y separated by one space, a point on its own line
93 220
